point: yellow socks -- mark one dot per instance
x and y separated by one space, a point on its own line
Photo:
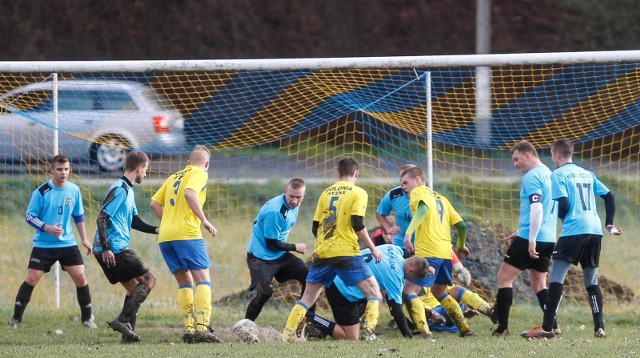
185 301
418 315
473 300
295 317
203 305
455 313
371 314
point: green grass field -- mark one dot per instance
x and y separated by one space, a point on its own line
54 334
159 324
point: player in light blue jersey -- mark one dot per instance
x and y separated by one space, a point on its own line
395 201
268 253
112 244
51 209
532 245
348 302
575 189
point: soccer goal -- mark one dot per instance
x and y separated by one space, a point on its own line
268 120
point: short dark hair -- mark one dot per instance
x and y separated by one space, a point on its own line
59 158
414 172
296 183
419 265
347 166
134 160
563 146
405 167
525 147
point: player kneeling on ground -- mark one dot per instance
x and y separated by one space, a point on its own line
347 301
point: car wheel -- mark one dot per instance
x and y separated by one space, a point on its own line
109 153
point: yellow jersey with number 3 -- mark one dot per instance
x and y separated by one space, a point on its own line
336 205
178 221
433 235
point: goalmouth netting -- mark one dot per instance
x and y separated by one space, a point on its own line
266 121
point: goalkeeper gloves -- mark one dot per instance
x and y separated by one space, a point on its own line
462 273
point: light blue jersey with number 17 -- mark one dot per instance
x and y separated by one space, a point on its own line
581 187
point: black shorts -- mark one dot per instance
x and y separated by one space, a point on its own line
288 267
584 249
128 266
43 258
518 255
345 312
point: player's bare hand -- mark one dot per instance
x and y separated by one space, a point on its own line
109 258
55 230
532 250
301 248
88 246
376 254
408 245
509 239
210 228
463 251
394 230
614 230
431 271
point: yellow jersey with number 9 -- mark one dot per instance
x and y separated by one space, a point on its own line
433 235
336 236
178 221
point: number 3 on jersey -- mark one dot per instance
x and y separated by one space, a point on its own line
176 186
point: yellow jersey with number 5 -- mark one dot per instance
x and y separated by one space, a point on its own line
178 221
336 205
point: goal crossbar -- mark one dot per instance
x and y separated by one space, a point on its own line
324 63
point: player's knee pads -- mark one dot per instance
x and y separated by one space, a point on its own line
264 290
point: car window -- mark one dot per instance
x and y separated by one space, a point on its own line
69 100
114 100
32 101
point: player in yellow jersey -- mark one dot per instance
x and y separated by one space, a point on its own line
337 226
178 204
432 219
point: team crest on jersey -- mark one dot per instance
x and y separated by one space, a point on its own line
68 201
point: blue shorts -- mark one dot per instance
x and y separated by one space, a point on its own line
185 254
442 275
351 270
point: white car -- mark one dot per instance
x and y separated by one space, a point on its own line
97 119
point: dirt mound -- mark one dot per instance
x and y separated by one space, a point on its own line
487 250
